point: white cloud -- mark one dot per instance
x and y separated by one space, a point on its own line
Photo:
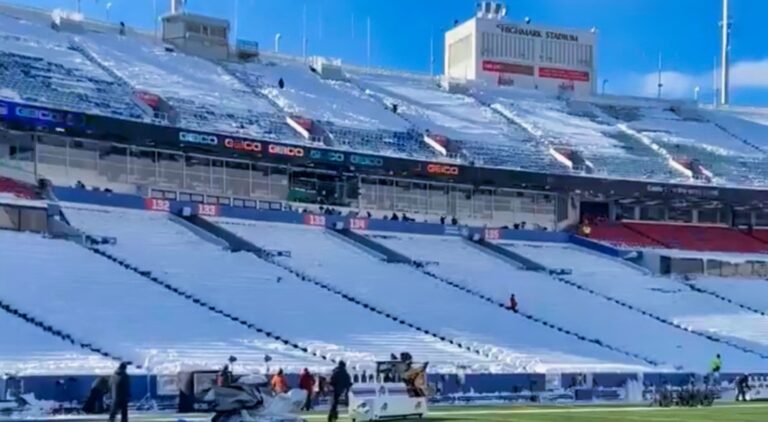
747 74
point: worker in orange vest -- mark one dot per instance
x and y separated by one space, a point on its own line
279 383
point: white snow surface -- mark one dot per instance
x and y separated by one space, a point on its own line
666 126
541 295
28 350
548 119
248 287
430 108
99 302
749 126
306 94
409 294
148 66
750 292
662 296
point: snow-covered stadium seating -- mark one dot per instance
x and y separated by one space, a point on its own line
693 137
353 119
541 295
484 136
38 65
409 294
249 288
205 96
100 303
658 295
551 120
28 350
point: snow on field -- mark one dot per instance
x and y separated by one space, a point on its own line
309 96
659 295
98 302
542 296
407 293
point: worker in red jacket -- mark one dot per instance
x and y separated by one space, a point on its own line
307 383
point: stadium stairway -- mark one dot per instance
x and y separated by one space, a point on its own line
560 277
78 47
202 303
711 337
698 289
507 255
649 360
391 256
374 248
50 329
237 243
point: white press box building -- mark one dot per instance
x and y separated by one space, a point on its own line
492 49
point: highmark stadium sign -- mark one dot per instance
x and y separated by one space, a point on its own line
536 33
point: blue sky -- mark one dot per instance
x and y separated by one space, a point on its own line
631 34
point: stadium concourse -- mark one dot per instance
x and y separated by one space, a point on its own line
179 209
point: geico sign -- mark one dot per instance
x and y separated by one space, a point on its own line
242 145
326 155
198 138
284 150
366 161
39 114
442 169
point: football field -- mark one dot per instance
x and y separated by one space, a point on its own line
722 413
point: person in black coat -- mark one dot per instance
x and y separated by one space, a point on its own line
340 382
94 404
742 386
224 378
121 393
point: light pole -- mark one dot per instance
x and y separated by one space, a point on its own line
696 93
605 82
277 42
107 8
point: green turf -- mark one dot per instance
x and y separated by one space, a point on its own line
727 413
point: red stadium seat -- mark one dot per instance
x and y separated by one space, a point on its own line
618 234
17 189
700 238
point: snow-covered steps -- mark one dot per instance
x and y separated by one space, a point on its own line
62 335
34 351
562 304
203 303
520 344
270 296
659 298
91 298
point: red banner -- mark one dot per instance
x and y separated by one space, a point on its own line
568 75
358 224
501 67
208 210
154 204
314 220
492 234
